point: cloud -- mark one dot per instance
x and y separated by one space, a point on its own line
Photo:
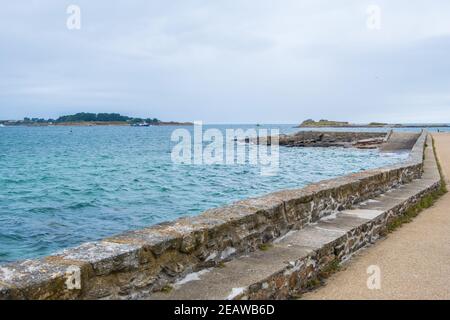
227 60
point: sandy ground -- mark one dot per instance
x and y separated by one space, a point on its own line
414 261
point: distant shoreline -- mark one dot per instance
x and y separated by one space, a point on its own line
384 126
91 124
87 119
342 124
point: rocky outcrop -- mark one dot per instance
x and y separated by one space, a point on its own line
331 139
323 123
386 142
362 140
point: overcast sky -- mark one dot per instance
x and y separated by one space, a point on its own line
227 61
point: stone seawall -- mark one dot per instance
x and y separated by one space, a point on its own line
151 259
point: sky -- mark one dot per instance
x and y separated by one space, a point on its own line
228 61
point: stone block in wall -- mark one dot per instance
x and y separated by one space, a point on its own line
104 257
5 292
39 280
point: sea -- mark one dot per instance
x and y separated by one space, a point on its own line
62 186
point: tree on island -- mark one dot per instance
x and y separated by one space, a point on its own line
36 120
103 117
148 120
91 117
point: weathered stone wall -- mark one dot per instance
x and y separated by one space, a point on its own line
296 277
151 258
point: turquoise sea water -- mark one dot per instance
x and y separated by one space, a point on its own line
61 186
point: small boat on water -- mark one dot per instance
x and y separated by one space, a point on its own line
1 125
144 124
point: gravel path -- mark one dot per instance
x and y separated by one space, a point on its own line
414 261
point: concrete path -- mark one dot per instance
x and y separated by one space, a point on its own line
399 141
414 261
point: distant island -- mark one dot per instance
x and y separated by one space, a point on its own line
92 119
345 124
